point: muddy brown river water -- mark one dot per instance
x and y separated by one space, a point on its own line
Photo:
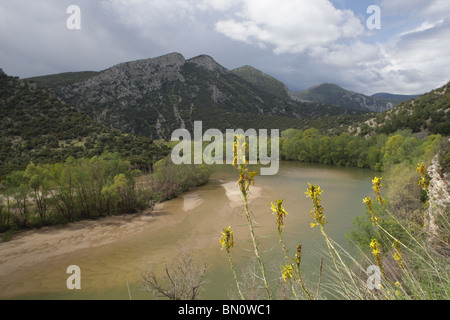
110 251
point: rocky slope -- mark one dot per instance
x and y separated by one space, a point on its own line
439 201
263 81
155 96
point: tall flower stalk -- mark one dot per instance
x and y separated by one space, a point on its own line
314 192
227 242
280 212
247 178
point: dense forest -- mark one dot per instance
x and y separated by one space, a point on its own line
377 152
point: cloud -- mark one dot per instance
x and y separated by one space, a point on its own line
290 27
301 42
423 27
350 55
145 13
221 5
421 54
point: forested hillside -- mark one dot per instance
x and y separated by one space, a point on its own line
37 126
427 114
405 134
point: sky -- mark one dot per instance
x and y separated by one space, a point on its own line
402 48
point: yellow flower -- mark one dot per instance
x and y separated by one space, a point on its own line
279 210
369 203
287 272
398 255
298 255
377 188
246 178
227 239
375 246
424 181
240 147
314 192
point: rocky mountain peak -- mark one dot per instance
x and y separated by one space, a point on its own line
208 63
128 80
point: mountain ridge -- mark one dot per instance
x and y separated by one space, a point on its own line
155 96
325 93
333 94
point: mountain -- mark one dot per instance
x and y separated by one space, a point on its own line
424 115
263 81
335 95
62 79
37 126
395 97
153 97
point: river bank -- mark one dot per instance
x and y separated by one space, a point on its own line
110 250
30 248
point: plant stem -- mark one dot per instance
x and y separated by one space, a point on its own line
331 249
300 280
235 274
320 277
255 244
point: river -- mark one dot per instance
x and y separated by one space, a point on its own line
110 252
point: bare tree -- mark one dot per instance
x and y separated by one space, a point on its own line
180 280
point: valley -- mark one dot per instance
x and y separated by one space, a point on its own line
85 163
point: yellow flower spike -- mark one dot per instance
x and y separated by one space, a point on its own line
279 210
227 239
246 179
287 272
424 181
398 255
314 192
377 188
239 149
369 203
375 246
298 254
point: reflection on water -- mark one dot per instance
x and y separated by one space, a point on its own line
194 222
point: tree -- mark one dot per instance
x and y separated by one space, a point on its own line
39 180
182 281
393 152
17 187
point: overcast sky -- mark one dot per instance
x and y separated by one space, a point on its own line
300 42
